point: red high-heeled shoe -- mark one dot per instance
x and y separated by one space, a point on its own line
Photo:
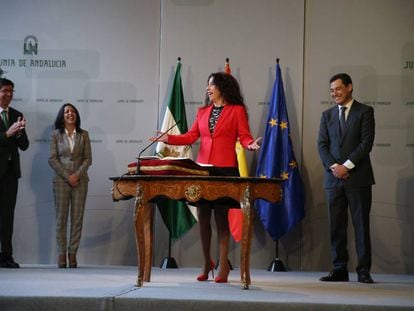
219 279
204 276
222 279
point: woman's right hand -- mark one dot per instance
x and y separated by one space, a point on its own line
162 139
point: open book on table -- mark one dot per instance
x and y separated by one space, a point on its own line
173 159
153 165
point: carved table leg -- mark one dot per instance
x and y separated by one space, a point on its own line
148 239
246 238
139 233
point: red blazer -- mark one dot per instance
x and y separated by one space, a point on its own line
217 149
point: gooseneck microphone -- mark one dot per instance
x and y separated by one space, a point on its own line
153 142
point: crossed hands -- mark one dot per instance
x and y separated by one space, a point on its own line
73 180
340 172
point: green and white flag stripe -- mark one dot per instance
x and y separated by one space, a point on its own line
175 114
177 216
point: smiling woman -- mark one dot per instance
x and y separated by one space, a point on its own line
219 123
70 157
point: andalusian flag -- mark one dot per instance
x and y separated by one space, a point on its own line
176 214
235 214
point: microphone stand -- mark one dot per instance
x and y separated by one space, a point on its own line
153 142
167 262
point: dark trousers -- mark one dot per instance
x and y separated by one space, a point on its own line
8 194
359 202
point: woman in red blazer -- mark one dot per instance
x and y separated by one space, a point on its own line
219 123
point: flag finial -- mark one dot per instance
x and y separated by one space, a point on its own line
227 67
277 60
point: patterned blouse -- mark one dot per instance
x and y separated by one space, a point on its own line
214 116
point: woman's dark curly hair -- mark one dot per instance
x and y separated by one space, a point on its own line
60 122
229 88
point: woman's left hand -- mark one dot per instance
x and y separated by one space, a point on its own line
255 144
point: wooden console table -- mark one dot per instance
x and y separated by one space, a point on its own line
147 188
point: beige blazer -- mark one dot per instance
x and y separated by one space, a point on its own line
64 162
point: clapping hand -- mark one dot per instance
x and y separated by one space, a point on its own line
16 127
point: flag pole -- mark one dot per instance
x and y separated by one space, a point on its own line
225 69
277 265
228 71
169 262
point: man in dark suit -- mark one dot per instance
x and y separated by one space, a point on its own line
346 136
12 137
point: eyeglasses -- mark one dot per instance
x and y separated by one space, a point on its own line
6 91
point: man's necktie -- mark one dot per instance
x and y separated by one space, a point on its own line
5 118
342 119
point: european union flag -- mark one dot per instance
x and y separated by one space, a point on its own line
277 160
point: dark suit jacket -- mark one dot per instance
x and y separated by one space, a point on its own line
9 146
355 144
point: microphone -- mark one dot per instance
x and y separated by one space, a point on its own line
153 142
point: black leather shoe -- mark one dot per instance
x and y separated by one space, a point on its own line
9 263
365 277
336 276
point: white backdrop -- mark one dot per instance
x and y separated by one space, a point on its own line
119 61
111 75
372 41
252 36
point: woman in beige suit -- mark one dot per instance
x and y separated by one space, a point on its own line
70 157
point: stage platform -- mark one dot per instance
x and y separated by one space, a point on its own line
112 288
